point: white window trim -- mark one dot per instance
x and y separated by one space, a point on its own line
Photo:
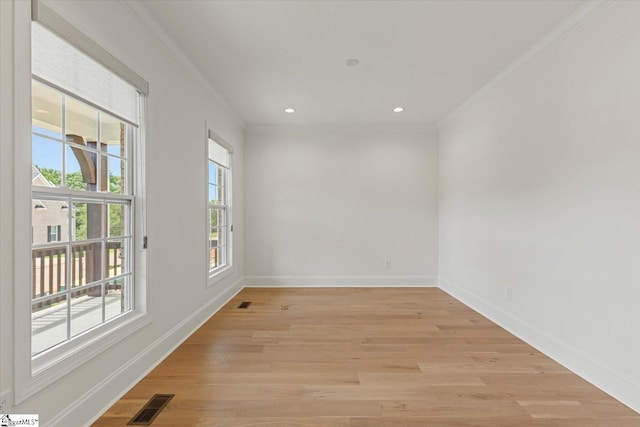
33 374
216 275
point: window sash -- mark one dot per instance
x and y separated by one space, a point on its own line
90 263
222 230
123 271
222 227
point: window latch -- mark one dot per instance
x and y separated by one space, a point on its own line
144 242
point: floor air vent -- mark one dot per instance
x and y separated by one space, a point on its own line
244 304
150 411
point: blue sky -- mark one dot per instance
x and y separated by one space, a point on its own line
48 153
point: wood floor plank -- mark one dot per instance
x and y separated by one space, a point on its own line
274 422
556 409
363 357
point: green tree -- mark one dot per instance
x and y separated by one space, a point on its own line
115 220
76 182
80 212
115 185
52 175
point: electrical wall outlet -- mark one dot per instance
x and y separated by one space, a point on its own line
509 294
387 264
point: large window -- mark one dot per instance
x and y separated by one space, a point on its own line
218 195
85 136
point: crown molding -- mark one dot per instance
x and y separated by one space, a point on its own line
572 23
156 31
295 128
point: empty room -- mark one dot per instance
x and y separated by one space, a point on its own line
320 213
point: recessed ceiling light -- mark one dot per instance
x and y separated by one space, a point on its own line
398 109
290 110
352 62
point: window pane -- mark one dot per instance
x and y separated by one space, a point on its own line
222 253
116 262
117 220
213 258
46 111
48 324
49 220
82 120
214 238
88 220
221 195
213 173
86 263
218 237
221 176
80 178
46 156
86 309
222 233
115 301
49 271
213 194
216 217
113 135
222 219
116 175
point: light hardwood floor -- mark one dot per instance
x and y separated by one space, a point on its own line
356 357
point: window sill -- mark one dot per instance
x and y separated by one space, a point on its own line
218 275
50 366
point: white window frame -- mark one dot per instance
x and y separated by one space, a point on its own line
103 198
218 273
33 374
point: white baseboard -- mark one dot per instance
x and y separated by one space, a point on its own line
606 377
340 281
88 408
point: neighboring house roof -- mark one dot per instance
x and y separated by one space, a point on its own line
36 175
38 178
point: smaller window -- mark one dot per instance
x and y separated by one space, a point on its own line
53 233
218 206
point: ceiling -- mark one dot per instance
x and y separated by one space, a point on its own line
426 56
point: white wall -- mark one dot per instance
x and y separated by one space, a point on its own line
178 299
539 192
329 206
